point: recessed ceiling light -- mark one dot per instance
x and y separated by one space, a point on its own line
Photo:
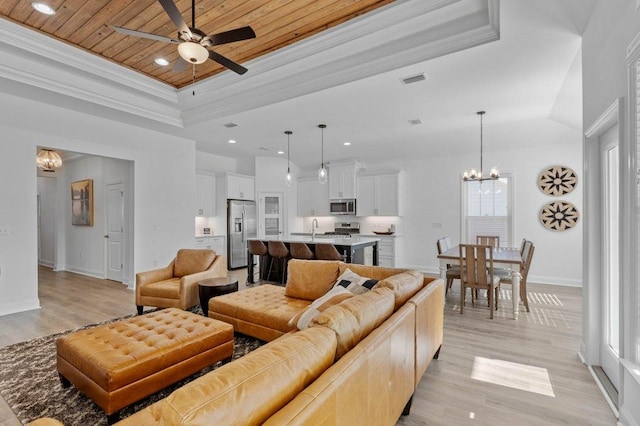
280 152
347 144
43 8
230 124
161 61
232 141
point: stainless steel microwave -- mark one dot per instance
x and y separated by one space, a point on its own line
344 206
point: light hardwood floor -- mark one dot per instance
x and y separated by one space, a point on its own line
490 372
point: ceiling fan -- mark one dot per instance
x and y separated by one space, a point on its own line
192 42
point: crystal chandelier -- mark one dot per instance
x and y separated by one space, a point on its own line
474 174
48 160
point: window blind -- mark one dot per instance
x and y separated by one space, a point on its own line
488 209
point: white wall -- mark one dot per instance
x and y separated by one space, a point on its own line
432 195
612 27
164 187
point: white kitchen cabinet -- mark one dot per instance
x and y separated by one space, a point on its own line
205 195
389 251
215 243
234 186
379 195
240 187
313 198
342 180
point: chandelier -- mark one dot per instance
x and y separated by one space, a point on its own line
474 174
48 160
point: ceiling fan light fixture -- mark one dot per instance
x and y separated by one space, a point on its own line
193 53
43 8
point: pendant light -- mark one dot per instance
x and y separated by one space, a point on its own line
289 177
322 172
475 175
48 160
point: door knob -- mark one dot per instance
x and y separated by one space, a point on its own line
106 236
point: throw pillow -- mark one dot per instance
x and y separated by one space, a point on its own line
332 297
354 282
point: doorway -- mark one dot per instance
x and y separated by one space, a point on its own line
610 256
602 242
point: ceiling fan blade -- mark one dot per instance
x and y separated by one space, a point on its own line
180 65
170 7
238 34
227 62
145 35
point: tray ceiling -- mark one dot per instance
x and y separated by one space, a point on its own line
88 25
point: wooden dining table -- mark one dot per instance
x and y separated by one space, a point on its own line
503 257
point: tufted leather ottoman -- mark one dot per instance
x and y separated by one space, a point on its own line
122 362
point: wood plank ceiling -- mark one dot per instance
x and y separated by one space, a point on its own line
277 23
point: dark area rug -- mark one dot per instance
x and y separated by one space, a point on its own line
29 382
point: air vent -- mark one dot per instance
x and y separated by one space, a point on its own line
415 121
230 125
414 78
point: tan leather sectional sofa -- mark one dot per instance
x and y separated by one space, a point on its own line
358 363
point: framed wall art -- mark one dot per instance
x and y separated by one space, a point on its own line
559 215
82 202
557 180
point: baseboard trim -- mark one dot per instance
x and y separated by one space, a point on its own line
601 386
19 306
94 274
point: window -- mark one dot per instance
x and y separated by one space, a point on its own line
487 209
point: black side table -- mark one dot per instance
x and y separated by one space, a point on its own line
212 287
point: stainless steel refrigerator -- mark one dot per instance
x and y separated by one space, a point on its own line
241 224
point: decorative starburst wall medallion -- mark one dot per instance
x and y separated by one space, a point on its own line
557 180
559 215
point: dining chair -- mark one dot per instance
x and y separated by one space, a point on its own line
524 273
453 271
476 263
486 240
506 272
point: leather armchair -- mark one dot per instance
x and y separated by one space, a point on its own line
176 286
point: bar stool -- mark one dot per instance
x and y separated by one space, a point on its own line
277 250
326 251
300 251
257 248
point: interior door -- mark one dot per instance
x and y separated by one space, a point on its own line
611 304
115 231
271 214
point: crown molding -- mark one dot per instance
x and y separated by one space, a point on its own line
32 58
397 35
392 37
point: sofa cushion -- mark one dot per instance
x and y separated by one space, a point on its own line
251 389
333 297
353 319
168 289
404 285
266 305
310 279
190 261
354 282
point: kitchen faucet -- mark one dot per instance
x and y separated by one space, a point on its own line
314 225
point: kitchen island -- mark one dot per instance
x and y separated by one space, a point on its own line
351 246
